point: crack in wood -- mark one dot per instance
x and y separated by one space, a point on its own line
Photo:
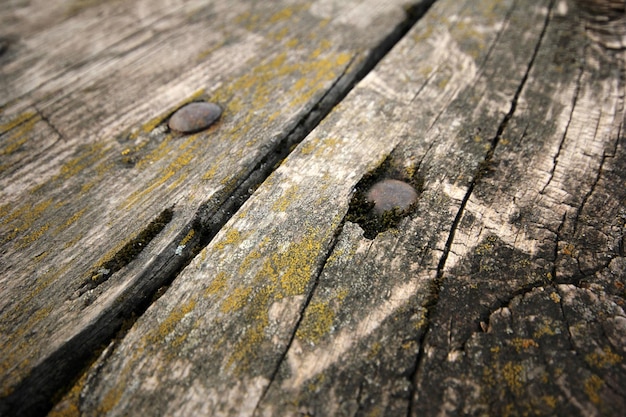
127 253
555 160
50 124
306 304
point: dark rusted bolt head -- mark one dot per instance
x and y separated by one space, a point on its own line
391 194
194 117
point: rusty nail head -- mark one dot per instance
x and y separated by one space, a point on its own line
194 117
391 194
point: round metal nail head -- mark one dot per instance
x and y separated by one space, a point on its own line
194 117
391 194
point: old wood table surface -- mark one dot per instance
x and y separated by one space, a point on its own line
239 270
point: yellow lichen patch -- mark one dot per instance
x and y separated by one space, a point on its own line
280 34
293 268
593 384
550 400
17 137
232 237
317 322
111 399
555 297
423 320
169 324
289 16
283 273
316 382
174 168
604 358
569 250
177 182
236 300
298 264
210 173
246 349
18 120
216 286
292 43
513 376
284 14
247 262
68 406
486 246
308 146
328 146
159 153
523 344
4 211
377 410
188 237
178 342
73 219
374 350
281 204
545 329
32 237
24 217
315 74
92 155
72 241
265 84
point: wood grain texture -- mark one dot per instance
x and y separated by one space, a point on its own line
292 311
101 204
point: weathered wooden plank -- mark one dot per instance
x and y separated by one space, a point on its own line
101 204
277 316
531 312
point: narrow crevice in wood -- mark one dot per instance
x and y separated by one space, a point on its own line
581 70
569 332
482 169
128 253
49 123
74 357
306 304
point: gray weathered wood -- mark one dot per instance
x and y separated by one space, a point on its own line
101 205
511 114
